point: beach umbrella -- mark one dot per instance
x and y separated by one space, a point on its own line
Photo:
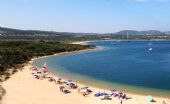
69 83
149 97
86 87
104 94
97 94
120 93
113 90
61 86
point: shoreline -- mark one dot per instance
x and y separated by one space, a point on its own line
131 90
136 92
136 99
140 99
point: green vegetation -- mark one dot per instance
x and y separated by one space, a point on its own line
14 53
63 38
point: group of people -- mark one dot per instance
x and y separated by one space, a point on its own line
66 86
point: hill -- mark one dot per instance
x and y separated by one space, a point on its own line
134 32
10 31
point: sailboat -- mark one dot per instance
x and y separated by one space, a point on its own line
150 49
127 37
44 68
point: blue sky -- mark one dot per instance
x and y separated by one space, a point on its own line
100 16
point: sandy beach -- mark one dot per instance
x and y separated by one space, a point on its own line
80 42
23 88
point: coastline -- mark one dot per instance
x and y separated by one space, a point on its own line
28 88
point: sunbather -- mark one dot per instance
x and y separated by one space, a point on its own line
61 89
66 91
36 76
59 82
51 79
85 93
124 96
106 98
89 91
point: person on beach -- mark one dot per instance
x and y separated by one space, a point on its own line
89 91
61 89
59 81
119 96
84 94
31 68
34 68
36 76
51 79
121 102
124 96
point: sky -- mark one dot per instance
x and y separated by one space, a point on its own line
90 16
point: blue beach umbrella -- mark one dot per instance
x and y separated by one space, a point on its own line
104 94
120 93
68 83
71 84
61 86
97 94
149 97
86 87
113 90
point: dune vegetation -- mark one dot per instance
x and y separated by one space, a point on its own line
13 54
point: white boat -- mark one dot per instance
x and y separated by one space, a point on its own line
150 49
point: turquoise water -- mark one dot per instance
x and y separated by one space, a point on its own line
127 66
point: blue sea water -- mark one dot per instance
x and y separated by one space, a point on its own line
120 64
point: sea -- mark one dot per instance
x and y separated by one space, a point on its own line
139 67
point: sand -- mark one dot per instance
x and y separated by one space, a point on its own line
80 42
23 88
